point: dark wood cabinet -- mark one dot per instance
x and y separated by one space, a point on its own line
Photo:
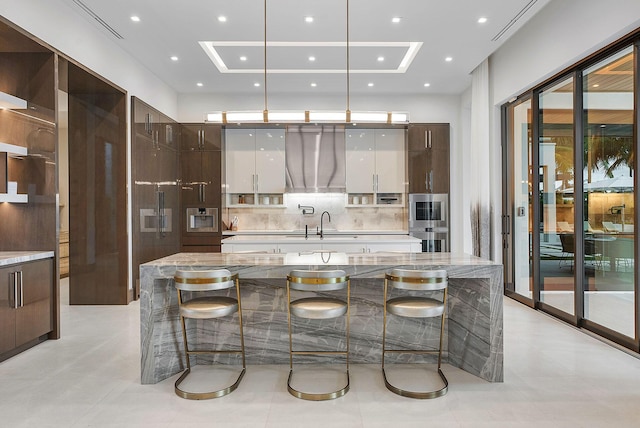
197 136
428 158
26 304
156 190
200 171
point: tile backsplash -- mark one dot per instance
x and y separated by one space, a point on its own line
290 217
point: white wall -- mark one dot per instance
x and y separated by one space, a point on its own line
561 34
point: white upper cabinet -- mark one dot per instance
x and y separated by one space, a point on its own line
360 160
390 161
255 161
270 160
375 161
240 160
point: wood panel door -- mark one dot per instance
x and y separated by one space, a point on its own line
98 250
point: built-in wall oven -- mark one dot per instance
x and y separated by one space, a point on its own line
429 220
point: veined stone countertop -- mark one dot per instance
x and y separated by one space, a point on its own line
312 231
13 257
280 259
473 328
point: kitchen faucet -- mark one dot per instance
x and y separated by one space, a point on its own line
321 233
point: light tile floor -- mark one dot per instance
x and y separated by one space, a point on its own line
555 376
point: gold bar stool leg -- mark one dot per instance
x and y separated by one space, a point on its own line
415 307
318 308
208 307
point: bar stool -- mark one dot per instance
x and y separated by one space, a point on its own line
317 307
207 307
415 305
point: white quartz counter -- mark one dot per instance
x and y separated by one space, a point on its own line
313 231
329 242
13 257
337 238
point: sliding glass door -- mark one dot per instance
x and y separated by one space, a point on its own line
609 185
569 239
556 188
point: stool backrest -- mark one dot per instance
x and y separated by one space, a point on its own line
317 280
204 280
416 279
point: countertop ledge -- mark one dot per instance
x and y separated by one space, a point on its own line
13 257
313 231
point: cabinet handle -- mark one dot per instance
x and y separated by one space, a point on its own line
20 285
429 138
202 140
201 192
15 289
255 183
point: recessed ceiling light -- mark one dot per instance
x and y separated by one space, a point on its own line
596 85
174 58
199 84
308 19
482 20
222 18
243 58
395 19
314 84
426 85
312 58
135 18
448 59
380 58
369 84
256 84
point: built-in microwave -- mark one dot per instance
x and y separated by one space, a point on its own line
428 210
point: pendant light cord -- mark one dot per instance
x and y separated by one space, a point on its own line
265 59
348 111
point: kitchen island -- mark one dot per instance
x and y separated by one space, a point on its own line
473 336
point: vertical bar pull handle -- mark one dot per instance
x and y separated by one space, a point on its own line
429 137
15 289
202 140
21 286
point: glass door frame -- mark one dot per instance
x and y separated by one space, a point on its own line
508 207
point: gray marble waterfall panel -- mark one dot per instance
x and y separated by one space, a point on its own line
473 330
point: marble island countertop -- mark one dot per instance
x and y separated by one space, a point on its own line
13 257
474 310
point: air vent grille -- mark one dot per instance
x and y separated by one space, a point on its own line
95 16
514 20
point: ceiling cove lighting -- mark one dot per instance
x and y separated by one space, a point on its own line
306 116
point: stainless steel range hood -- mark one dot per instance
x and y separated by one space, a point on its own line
315 159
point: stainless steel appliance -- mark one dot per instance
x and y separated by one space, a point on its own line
429 220
202 219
